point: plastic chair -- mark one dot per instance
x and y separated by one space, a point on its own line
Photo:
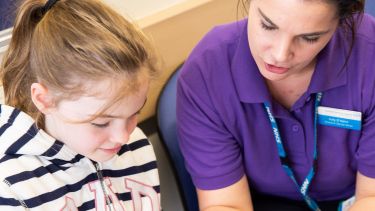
166 119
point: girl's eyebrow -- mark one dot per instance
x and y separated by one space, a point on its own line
318 33
115 116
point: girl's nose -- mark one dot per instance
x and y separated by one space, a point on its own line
120 136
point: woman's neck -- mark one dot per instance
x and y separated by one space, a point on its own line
287 91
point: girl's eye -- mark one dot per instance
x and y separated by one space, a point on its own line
311 39
104 125
267 27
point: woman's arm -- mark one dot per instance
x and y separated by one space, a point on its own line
365 194
231 198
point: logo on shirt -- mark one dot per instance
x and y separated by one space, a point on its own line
143 197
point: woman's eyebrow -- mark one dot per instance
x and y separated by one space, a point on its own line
267 19
318 33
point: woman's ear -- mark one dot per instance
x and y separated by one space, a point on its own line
41 98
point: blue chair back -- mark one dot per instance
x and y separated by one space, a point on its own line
370 7
166 118
7 13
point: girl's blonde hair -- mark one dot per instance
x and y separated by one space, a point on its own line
73 42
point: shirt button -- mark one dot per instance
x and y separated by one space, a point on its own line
308 98
295 128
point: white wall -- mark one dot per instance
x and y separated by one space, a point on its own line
5 36
138 9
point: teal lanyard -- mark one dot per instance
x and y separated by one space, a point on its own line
283 156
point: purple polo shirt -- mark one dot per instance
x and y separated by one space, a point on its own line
224 131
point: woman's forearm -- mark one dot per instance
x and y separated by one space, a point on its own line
364 204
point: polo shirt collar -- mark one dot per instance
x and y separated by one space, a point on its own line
250 84
330 71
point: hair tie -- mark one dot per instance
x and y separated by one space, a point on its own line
48 6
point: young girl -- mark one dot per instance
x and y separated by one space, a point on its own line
75 77
277 111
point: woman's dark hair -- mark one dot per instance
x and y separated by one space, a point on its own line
349 13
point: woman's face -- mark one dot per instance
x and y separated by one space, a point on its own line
286 36
101 138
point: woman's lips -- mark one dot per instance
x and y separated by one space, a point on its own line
276 69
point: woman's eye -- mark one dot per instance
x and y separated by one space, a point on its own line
311 39
267 27
100 125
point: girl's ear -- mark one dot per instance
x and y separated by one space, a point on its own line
41 98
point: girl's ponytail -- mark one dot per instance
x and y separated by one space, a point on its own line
16 75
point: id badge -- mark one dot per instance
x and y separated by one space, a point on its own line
340 118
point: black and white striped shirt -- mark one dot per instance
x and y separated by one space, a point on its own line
38 172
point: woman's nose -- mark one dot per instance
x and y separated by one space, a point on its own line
282 50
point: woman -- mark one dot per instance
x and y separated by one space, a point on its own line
280 105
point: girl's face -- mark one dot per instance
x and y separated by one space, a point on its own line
101 138
286 36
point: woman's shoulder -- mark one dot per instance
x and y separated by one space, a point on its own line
363 47
366 28
228 31
360 48
215 51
